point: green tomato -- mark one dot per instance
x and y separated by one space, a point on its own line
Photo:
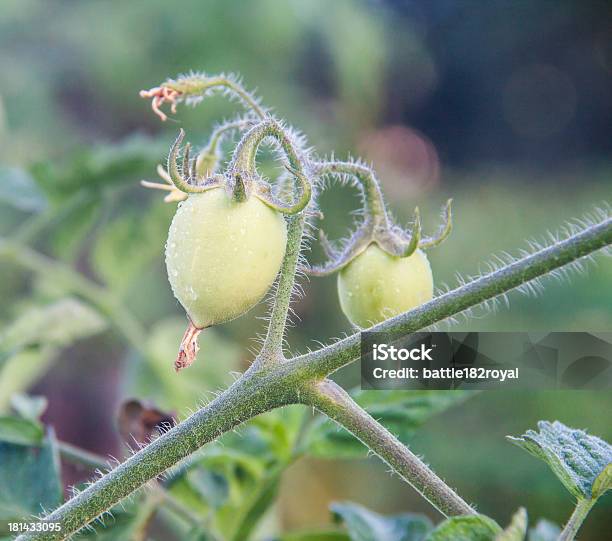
376 286
222 255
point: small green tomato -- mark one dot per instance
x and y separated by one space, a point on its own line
223 255
376 286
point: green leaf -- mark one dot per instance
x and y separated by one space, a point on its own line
576 458
313 535
517 529
466 528
20 431
603 482
544 531
29 407
137 234
29 479
57 324
236 479
402 412
365 525
95 168
18 189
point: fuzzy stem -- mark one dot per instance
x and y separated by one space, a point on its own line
326 360
573 524
332 400
198 85
273 344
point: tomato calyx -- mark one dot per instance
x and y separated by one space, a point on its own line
377 226
189 347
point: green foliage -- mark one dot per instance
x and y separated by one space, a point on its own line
128 244
466 528
236 480
32 341
402 412
20 431
18 189
29 479
365 525
94 169
580 461
544 531
517 529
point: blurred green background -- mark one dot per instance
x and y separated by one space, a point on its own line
504 106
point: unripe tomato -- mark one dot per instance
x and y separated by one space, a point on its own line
376 286
223 255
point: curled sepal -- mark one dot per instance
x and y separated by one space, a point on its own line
339 259
377 226
263 192
402 244
444 231
188 350
186 180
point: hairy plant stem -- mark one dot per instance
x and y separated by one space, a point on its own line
573 524
273 345
332 400
265 387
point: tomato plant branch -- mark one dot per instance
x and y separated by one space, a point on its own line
332 400
583 506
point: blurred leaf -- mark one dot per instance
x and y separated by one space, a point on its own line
402 412
31 342
126 245
466 528
517 529
18 189
69 233
98 167
29 407
544 531
575 457
365 525
57 324
236 479
20 431
29 479
21 370
314 535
